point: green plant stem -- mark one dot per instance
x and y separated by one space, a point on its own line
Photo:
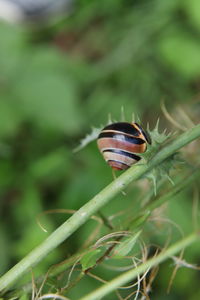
133 273
183 183
179 186
91 207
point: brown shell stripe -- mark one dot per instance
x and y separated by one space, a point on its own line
117 165
120 156
105 143
122 152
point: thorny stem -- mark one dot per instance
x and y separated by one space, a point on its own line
149 207
180 185
92 206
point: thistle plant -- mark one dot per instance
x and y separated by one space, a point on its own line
124 243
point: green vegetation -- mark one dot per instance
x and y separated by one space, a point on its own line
59 80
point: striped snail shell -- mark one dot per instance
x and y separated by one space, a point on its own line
121 143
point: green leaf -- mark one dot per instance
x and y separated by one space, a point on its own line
24 296
89 260
125 247
139 221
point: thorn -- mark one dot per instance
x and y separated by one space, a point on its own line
164 131
76 149
109 118
170 118
157 124
154 184
115 177
138 119
170 180
133 118
122 114
123 193
172 133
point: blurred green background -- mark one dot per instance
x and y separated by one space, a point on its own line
59 79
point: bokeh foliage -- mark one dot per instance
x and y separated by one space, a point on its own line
59 79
